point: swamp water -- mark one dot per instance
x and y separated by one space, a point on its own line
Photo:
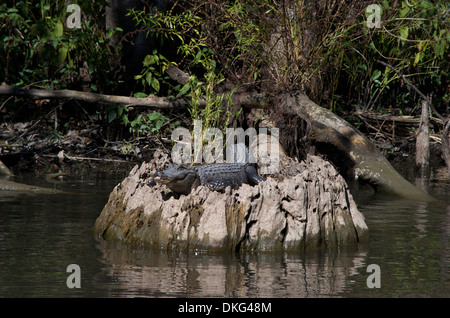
41 235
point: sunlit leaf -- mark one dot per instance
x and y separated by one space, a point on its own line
59 29
404 32
184 89
155 84
376 74
153 116
148 78
140 95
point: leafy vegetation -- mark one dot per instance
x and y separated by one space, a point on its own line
324 48
195 54
38 49
414 40
154 66
150 123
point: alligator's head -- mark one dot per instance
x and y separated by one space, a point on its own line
179 178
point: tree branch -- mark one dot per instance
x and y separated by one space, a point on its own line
405 79
246 100
413 87
446 143
150 101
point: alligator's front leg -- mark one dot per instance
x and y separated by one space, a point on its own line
216 185
252 175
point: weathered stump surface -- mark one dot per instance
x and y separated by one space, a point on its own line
307 205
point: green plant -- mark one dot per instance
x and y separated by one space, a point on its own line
37 48
413 38
127 147
195 53
152 123
154 66
210 114
142 124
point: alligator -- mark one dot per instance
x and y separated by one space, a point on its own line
182 179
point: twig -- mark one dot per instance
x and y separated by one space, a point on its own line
26 131
413 87
409 5
96 159
405 79
378 132
87 158
399 37
5 102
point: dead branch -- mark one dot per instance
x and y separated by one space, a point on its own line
407 82
76 158
246 100
446 144
423 143
150 101
397 120
177 75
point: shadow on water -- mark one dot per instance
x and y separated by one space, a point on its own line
40 235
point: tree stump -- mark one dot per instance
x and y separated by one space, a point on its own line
423 144
446 143
307 205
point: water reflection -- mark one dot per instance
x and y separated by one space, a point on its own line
146 273
410 240
40 235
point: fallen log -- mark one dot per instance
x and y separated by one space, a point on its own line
15 187
150 101
368 162
246 100
409 121
4 170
